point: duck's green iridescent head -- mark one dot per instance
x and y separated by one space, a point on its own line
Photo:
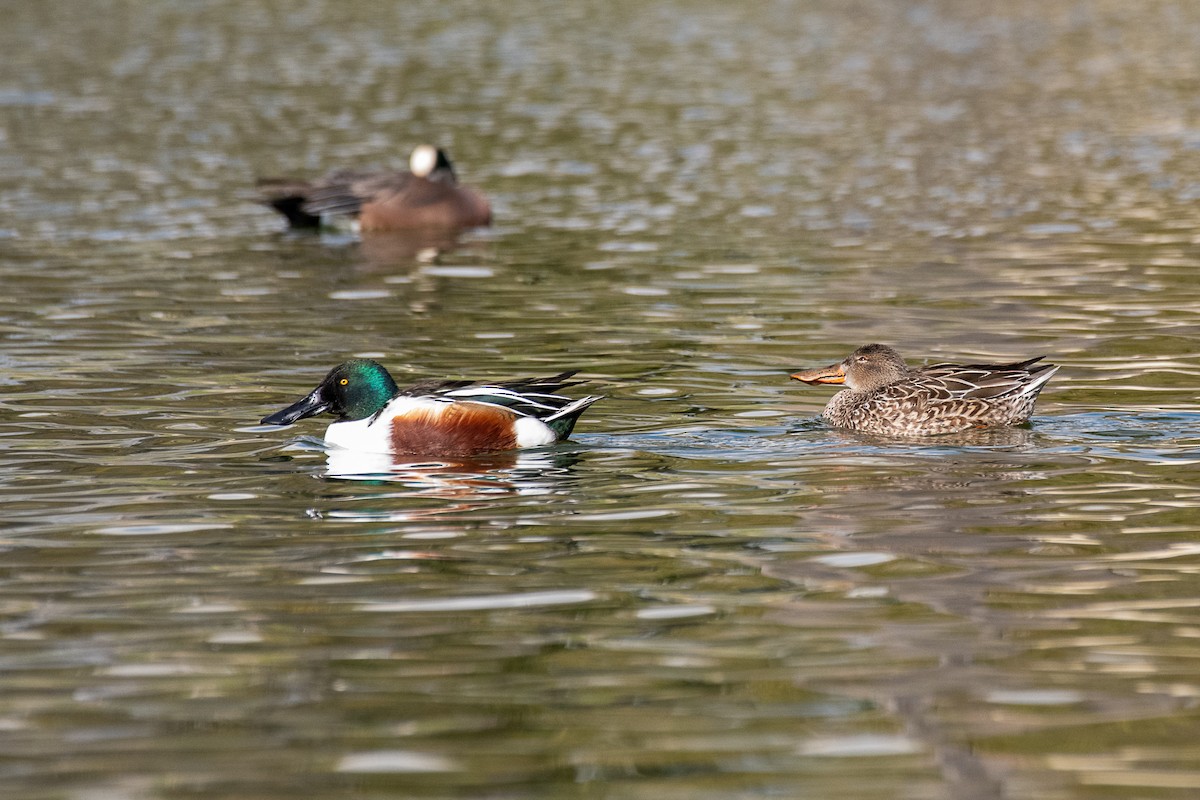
355 390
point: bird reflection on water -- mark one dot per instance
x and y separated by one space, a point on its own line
468 484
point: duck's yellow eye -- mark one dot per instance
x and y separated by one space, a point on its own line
344 381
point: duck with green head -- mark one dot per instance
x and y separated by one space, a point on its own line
436 417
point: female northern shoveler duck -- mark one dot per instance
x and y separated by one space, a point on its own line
427 196
437 418
884 396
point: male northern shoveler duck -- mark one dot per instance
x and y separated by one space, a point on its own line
884 395
436 417
427 196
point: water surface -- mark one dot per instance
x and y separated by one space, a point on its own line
706 594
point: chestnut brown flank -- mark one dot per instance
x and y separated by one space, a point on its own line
458 429
439 207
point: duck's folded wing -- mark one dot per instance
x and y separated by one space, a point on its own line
979 381
531 397
346 191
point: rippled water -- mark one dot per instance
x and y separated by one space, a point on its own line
706 594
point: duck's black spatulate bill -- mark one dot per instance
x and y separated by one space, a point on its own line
310 406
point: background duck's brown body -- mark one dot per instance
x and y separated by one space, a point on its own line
426 197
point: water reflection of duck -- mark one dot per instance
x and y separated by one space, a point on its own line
885 396
388 250
457 478
437 417
426 196
461 485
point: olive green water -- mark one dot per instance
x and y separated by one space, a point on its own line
707 593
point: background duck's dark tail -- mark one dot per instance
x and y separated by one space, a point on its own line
288 196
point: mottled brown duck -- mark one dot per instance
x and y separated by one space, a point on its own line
884 395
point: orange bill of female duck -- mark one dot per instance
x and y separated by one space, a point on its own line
437 417
883 395
428 195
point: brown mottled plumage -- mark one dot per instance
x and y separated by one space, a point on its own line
884 395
